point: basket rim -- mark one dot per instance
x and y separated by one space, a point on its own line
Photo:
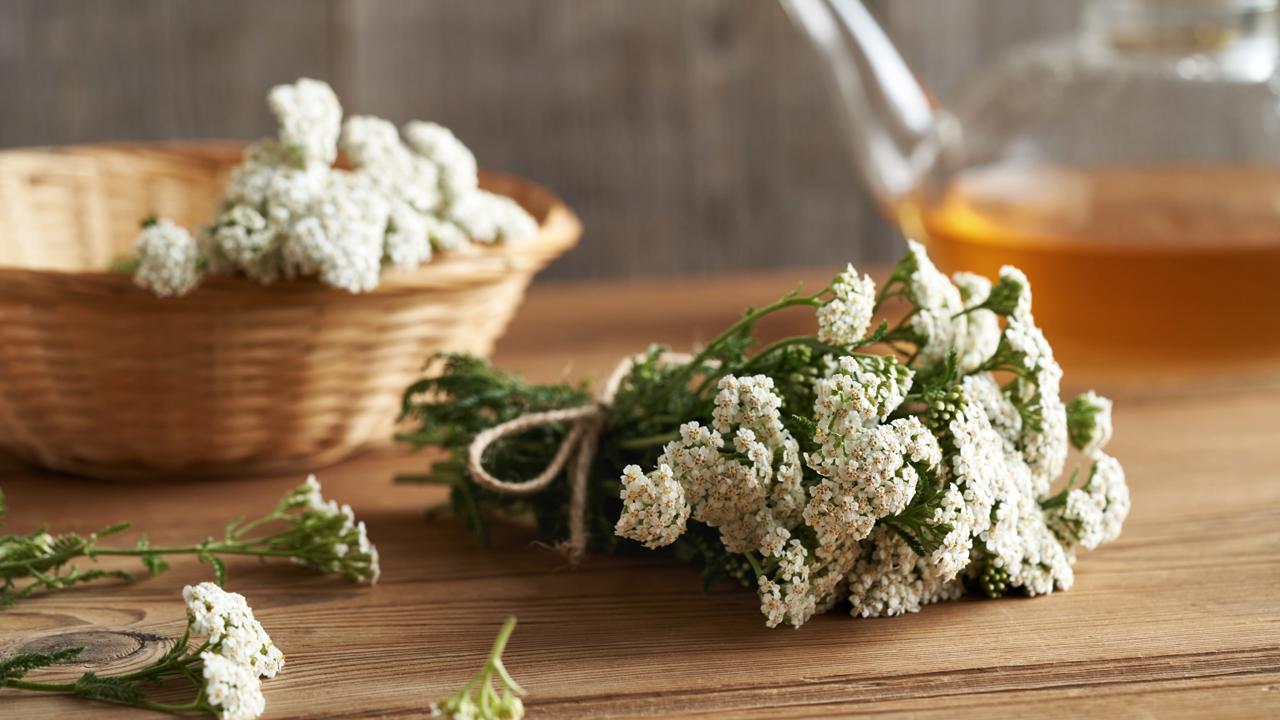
559 229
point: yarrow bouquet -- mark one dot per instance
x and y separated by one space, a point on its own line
223 671
289 212
303 527
886 466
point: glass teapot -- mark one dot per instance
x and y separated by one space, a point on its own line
1132 169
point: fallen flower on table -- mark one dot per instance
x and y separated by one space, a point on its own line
477 700
885 466
224 670
303 527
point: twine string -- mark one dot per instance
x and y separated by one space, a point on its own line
579 444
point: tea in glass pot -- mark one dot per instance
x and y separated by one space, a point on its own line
1132 170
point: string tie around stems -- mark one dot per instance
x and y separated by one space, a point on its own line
579 447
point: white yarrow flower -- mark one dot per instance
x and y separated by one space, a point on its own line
455 161
341 239
654 509
845 319
890 579
387 164
226 619
287 213
977 334
310 117
490 218
168 259
408 237
1095 513
234 691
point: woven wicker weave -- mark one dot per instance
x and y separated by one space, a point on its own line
100 378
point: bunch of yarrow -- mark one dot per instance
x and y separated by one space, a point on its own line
223 671
879 466
289 213
303 527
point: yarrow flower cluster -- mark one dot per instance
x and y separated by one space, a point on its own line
225 670
289 213
239 651
168 259
304 527
949 315
326 536
821 472
845 318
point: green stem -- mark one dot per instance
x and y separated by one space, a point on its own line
179 663
166 707
901 351
212 549
243 529
41 687
648 441
885 293
52 561
751 317
245 548
902 331
70 689
495 655
500 642
774 347
787 342
816 344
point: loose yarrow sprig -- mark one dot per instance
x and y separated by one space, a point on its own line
883 465
224 671
303 527
289 213
478 700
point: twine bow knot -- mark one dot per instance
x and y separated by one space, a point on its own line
579 444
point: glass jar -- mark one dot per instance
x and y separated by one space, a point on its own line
1132 170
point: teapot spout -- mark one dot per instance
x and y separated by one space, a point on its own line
888 116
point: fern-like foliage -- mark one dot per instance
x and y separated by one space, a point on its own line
16 667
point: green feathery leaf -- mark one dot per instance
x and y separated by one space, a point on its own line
18 666
108 689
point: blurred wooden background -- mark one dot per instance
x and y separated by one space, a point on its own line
693 136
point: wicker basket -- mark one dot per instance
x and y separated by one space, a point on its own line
100 378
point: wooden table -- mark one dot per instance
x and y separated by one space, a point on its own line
1180 617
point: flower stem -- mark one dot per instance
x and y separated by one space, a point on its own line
500 642
168 708
246 548
41 687
648 441
213 549
71 689
495 655
240 531
748 319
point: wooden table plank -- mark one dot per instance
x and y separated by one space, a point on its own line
1180 617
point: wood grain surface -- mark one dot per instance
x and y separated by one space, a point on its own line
1178 618
692 136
